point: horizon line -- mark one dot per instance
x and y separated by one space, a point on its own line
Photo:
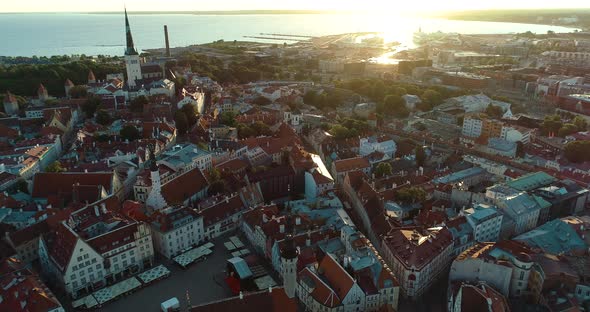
295 11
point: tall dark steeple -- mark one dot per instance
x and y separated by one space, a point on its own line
130 49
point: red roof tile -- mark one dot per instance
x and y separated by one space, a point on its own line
61 245
322 293
222 210
46 183
411 252
181 188
345 165
336 276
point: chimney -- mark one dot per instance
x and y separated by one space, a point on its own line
282 228
241 295
298 221
103 207
96 211
167 42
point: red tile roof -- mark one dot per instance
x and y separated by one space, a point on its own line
181 188
23 291
7 132
222 210
476 298
411 252
322 293
61 245
46 183
114 239
164 220
350 164
336 276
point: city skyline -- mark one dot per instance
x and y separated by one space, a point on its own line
234 5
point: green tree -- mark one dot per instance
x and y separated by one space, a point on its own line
551 125
411 195
577 151
22 185
228 119
90 105
261 100
580 123
432 98
215 175
310 97
190 111
130 133
78 92
383 169
394 105
55 167
137 104
420 155
181 122
245 131
567 129
261 128
217 187
494 111
103 117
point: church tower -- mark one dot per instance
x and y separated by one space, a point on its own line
155 200
10 104
68 86
289 256
42 93
131 57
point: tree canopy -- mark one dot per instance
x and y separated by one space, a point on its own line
411 195
181 122
103 117
130 133
383 169
55 167
577 151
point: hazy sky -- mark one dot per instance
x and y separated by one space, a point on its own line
201 5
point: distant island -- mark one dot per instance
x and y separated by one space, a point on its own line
560 17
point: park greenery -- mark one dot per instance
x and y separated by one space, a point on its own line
55 166
130 133
383 169
388 95
349 128
554 125
185 118
24 79
411 195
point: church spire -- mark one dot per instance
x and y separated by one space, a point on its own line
130 50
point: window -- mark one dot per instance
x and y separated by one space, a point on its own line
73 277
86 256
98 266
521 275
83 281
80 259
